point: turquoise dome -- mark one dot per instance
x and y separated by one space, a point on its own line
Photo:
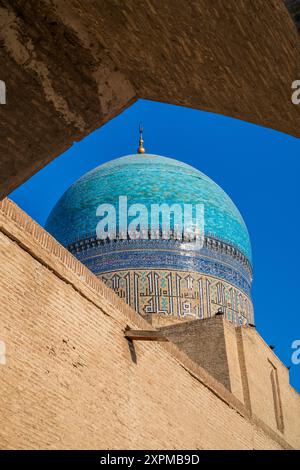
146 179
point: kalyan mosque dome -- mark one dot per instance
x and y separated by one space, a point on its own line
162 279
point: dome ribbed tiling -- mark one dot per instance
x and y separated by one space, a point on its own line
146 179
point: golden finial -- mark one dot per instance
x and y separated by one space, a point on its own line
141 147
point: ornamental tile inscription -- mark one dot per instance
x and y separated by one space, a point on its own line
185 295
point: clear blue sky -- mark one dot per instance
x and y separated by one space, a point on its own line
259 168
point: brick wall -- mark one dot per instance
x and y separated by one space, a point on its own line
240 359
204 342
260 360
71 380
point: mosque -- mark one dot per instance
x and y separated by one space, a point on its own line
134 341
164 279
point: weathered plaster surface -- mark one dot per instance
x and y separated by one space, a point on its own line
71 66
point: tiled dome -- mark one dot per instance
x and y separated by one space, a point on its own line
166 279
146 179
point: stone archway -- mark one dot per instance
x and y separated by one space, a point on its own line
71 66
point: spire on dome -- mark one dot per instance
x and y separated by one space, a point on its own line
141 146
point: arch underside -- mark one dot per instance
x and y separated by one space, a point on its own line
69 67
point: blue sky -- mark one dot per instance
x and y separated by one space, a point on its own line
258 167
